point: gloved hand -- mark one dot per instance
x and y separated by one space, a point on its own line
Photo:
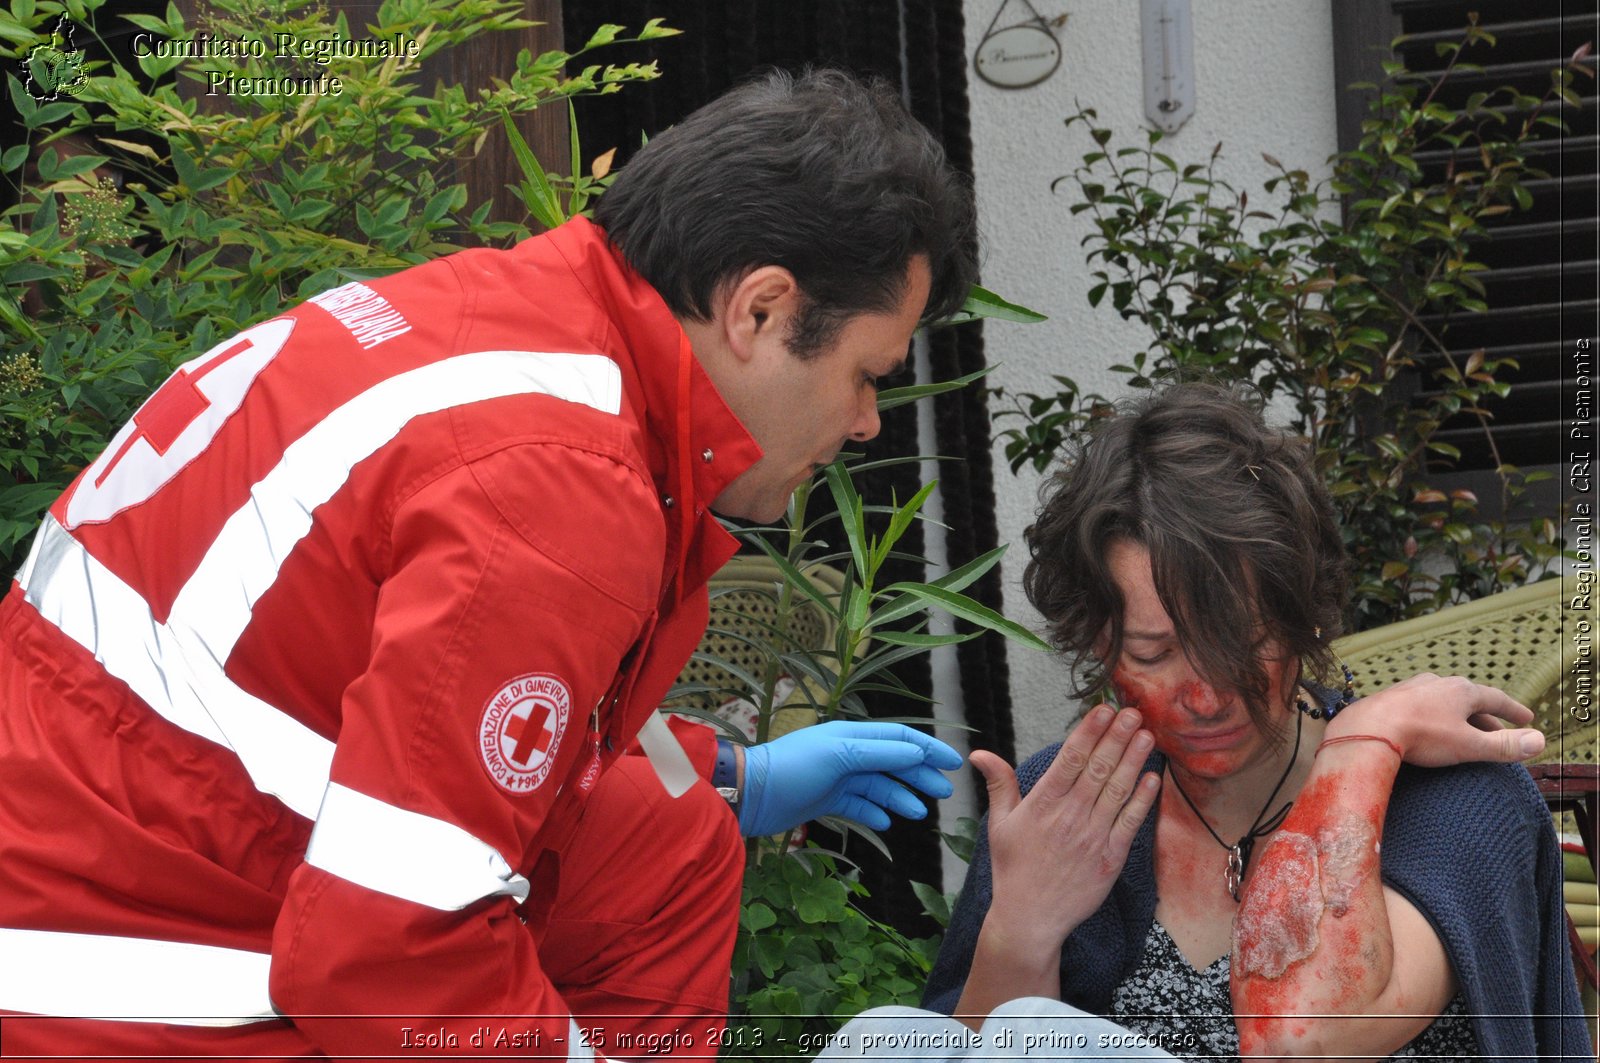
842 768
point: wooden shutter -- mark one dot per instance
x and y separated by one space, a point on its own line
1542 278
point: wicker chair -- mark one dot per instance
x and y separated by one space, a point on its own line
1513 640
1510 640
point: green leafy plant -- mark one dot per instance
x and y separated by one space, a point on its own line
806 957
540 192
148 221
809 958
1335 316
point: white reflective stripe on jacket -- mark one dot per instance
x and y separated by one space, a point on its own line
176 667
166 666
95 976
407 855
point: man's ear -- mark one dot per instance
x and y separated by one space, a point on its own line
758 309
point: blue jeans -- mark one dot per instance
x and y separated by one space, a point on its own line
1031 1028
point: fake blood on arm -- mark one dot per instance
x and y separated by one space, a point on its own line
1310 935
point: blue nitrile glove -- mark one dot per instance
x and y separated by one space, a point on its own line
842 768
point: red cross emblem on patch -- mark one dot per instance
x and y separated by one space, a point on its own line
521 729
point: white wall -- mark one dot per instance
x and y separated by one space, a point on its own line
1264 83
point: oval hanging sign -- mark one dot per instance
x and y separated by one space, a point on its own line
1017 57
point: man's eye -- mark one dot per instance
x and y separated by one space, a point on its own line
1157 659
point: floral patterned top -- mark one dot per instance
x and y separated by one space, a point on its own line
1190 1012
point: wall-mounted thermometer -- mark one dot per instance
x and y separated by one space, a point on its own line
1166 31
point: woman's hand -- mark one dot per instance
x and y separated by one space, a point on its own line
1056 853
1442 720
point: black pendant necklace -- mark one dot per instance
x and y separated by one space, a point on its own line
1239 851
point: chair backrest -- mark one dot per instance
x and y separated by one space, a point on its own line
1512 640
745 596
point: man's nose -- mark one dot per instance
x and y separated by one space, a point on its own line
868 424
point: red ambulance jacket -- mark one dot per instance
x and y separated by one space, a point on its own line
319 660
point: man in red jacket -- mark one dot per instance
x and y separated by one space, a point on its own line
318 688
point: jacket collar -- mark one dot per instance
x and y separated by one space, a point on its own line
706 436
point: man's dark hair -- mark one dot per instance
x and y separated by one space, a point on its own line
1244 546
822 174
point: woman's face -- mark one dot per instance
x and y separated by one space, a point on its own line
1207 732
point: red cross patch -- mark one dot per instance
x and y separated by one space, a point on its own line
521 729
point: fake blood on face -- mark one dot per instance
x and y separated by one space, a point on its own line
1189 722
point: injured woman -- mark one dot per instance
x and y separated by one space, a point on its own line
1235 855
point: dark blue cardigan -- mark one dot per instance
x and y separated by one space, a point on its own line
1472 847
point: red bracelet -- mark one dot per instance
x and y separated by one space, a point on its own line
1326 742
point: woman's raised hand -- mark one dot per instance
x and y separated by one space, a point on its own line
1056 853
1441 720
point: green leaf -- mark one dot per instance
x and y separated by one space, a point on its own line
770 953
879 660
24 272
710 719
963 841
858 605
982 303
890 398
934 902
438 204
849 826
73 165
210 178
909 638
849 505
796 578
967 609
538 195
956 579
184 165
756 917
1390 446
602 36
575 153
12 26
898 523
654 29
25 104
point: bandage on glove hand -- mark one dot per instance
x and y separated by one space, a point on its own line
842 768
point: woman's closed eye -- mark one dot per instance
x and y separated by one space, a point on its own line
1149 660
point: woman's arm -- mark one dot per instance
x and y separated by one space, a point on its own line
1055 855
1325 959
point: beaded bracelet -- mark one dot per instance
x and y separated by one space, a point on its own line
1326 742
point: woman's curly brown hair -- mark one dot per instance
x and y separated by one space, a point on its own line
1244 546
